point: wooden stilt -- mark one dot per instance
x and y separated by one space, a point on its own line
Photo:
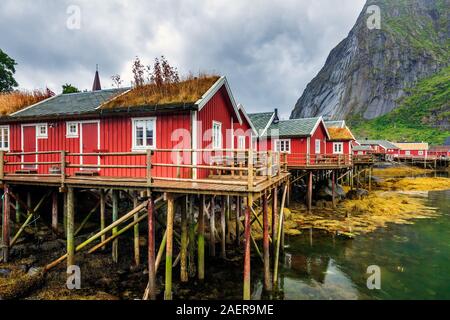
64 214
274 217
137 255
277 251
151 249
228 217
333 189
18 209
310 191
115 216
102 214
266 244
223 213
70 228
247 227
55 212
184 242
191 245
238 217
6 224
201 239
169 248
212 228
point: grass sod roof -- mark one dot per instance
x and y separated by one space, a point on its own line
335 124
12 102
70 104
187 91
340 134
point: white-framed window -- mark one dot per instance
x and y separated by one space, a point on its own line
283 145
42 130
407 152
241 142
338 147
318 142
4 138
217 135
360 152
420 153
72 129
144 133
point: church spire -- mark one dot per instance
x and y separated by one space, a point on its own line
96 86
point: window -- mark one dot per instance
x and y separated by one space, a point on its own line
42 131
144 133
217 135
241 142
338 148
72 129
360 152
318 146
420 153
283 146
4 138
407 152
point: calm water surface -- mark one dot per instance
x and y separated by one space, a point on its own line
414 261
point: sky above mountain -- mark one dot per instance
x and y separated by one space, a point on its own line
269 50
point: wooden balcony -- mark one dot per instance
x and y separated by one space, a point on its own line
192 171
316 161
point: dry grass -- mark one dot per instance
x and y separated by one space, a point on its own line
17 100
416 184
188 90
400 171
340 134
354 217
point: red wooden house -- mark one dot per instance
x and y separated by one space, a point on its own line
341 138
117 127
303 141
414 149
439 151
244 132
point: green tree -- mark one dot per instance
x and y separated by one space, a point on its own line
7 70
68 88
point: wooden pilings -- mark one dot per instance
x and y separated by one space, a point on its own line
70 227
137 256
201 239
102 213
6 223
54 212
115 216
184 241
310 191
238 217
151 248
169 247
212 228
274 217
223 217
247 226
266 243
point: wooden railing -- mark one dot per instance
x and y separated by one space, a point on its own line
316 160
223 166
363 159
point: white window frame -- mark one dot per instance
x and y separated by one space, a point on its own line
241 143
2 140
70 134
340 150
317 148
286 142
407 153
39 134
217 138
420 153
133 128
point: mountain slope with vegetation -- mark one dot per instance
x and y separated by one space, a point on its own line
370 73
424 115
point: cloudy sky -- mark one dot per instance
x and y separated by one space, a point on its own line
269 50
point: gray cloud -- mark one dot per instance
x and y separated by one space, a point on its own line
269 50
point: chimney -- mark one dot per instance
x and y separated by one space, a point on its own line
96 86
276 119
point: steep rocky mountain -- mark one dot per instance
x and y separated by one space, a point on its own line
369 72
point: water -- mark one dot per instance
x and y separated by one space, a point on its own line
414 261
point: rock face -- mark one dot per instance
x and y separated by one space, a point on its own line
372 68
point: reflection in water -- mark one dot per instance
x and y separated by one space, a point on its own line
414 261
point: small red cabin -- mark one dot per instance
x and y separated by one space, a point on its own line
419 149
303 141
116 128
341 138
439 151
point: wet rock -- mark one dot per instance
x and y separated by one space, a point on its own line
34 271
51 245
326 191
357 194
138 268
4 273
